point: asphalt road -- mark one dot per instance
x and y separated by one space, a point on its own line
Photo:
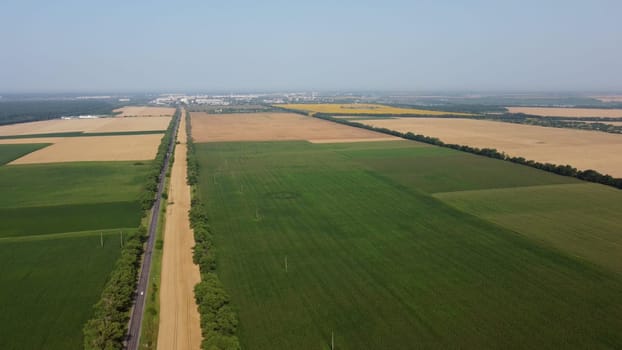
136 318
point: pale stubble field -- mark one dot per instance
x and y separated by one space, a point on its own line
580 148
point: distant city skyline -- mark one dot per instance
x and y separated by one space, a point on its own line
243 46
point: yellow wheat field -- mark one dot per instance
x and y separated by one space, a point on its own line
275 127
362 108
86 125
584 149
94 148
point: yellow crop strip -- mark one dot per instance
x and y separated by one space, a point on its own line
363 108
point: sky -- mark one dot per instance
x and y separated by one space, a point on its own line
234 45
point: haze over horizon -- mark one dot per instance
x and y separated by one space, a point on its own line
276 45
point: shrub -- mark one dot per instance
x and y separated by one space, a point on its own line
108 327
218 319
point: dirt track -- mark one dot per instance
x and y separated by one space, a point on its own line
275 127
179 319
580 148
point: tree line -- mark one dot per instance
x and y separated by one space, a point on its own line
108 326
596 124
565 170
582 123
147 196
219 321
12 112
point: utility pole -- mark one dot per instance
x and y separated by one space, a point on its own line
121 239
332 340
101 239
285 263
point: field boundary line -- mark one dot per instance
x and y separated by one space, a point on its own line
434 194
75 234
588 175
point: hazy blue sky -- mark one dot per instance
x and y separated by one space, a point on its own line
284 45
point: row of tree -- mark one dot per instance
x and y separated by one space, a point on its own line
108 326
596 124
148 194
586 123
219 321
565 170
12 112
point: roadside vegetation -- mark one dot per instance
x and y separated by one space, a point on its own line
151 187
218 318
151 318
108 326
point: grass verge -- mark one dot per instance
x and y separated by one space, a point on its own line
151 317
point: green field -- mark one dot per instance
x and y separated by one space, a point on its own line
9 153
68 218
49 287
52 267
68 197
434 169
39 185
582 220
375 258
